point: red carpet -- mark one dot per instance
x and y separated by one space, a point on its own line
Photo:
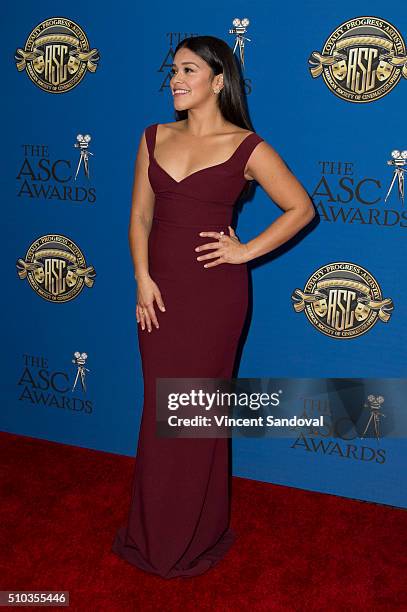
61 506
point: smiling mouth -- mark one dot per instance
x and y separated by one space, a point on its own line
180 92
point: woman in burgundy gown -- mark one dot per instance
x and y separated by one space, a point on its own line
178 521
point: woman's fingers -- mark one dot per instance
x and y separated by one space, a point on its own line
208 245
148 320
152 317
145 312
215 263
208 256
232 232
148 317
216 235
159 301
142 318
228 249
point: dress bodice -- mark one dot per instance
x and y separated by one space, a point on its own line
206 195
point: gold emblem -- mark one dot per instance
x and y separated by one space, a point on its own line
362 59
56 268
342 300
57 55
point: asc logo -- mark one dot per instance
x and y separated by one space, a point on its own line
56 268
342 300
362 59
57 55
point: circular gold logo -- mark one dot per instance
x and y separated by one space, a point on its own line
362 59
57 55
342 300
56 269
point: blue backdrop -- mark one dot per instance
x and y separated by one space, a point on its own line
114 84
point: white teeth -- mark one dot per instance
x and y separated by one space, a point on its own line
181 91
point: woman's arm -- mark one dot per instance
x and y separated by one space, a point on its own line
269 170
141 218
141 215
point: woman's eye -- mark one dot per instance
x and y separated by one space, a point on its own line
173 71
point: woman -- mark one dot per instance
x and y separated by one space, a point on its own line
190 265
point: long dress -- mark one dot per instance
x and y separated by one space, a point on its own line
178 521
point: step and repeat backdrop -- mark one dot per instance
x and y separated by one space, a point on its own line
326 87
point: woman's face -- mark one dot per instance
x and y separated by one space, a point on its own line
191 73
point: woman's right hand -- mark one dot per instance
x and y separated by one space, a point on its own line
147 292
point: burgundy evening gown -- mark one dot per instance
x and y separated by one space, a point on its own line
178 521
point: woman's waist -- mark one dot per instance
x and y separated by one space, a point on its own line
171 250
201 223
170 235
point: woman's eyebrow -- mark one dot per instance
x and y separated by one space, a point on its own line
187 63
